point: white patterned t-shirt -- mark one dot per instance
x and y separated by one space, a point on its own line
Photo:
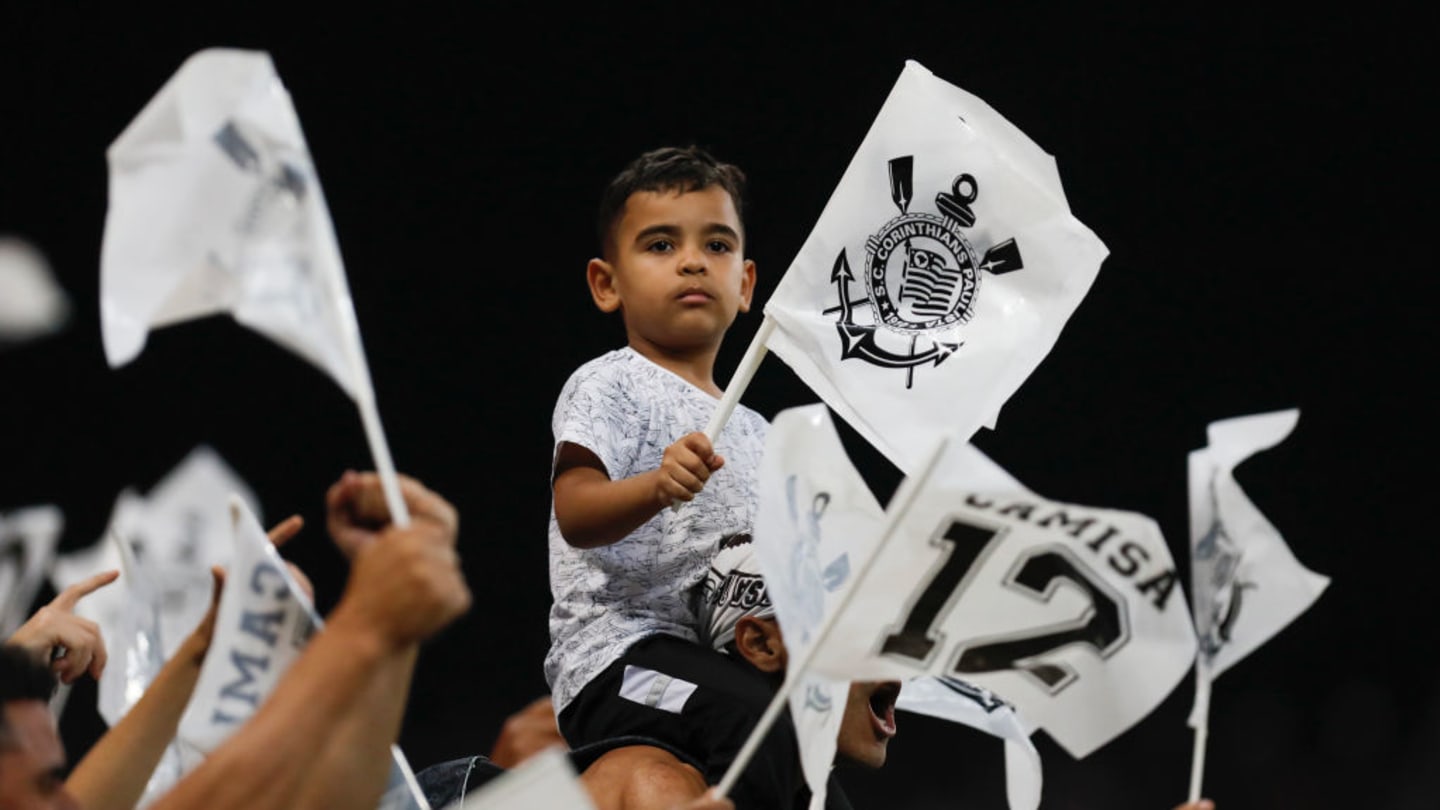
627 410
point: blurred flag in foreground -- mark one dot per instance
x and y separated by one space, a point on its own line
817 521
965 703
1246 584
939 274
1073 614
31 302
261 628
28 538
215 207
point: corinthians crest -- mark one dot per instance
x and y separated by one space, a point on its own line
921 274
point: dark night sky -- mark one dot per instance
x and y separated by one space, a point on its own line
1257 177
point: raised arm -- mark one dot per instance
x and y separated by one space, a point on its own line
353 767
594 510
404 586
114 772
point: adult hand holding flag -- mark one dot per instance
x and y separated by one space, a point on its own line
937 278
1246 583
261 628
215 206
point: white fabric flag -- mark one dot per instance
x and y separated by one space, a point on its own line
961 702
546 780
939 274
817 519
261 628
815 512
1073 614
215 207
31 302
28 538
177 531
1246 583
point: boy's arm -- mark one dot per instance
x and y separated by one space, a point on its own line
593 510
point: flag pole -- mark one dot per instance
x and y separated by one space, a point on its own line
1200 719
739 381
800 663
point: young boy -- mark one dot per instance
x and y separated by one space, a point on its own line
624 566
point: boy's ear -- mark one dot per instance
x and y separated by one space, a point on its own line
759 642
600 274
747 285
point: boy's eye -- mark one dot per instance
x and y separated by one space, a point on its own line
660 246
718 246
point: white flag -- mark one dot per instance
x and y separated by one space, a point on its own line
28 538
31 302
1074 614
1246 583
962 702
177 531
938 276
545 780
215 207
815 512
261 628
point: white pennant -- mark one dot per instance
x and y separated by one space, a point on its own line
1246 583
216 207
262 626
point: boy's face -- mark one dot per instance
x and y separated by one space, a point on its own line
677 272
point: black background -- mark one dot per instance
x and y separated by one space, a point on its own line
1256 175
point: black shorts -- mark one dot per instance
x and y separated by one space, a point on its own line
700 701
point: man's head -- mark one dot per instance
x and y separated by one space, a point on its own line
32 759
737 617
869 720
672 250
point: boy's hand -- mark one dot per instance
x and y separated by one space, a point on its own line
685 468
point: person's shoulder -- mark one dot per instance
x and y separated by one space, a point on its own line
604 370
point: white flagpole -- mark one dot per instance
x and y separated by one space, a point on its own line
1200 718
799 664
739 381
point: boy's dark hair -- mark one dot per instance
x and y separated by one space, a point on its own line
669 168
22 677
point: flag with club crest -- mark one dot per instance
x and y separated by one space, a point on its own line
1246 584
938 276
816 521
261 628
1073 614
215 207
28 538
